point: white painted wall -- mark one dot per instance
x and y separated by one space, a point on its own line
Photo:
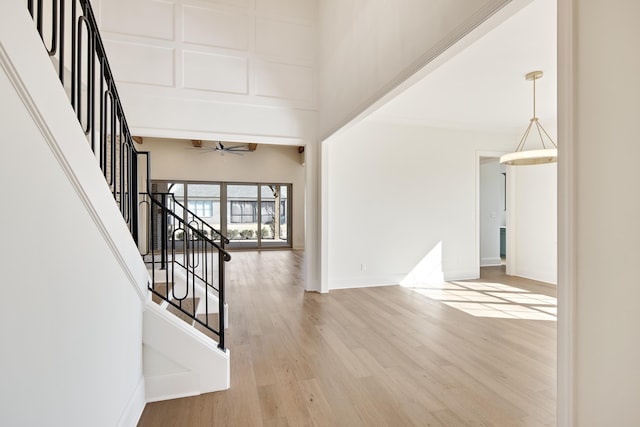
491 211
368 48
73 281
599 318
232 70
532 248
177 160
180 361
402 200
194 69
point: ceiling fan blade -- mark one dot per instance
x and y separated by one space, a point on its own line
220 147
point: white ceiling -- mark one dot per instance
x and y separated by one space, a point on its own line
483 87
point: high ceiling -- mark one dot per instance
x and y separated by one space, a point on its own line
483 87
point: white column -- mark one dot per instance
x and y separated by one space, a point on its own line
599 213
312 217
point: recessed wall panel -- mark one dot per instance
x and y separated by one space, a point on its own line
276 80
143 64
298 10
284 39
216 28
140 17
239 3
219 73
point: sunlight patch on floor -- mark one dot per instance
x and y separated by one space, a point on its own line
495 300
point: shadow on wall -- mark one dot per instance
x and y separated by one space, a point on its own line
428 271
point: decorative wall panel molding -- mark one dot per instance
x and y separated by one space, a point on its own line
218 73
255 58
286 81
216 28
159 14
284 39
141 64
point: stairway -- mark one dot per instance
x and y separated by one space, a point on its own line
183 326
191 308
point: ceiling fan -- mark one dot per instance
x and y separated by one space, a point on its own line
237 149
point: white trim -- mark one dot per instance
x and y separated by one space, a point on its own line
207 368
394 280
481 23
324 216
566 215
477 261
31 106
489 262
312 227
459 275
365 282
131 414
535 275
163 387
511 223
215 136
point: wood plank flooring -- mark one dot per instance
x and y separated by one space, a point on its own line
472 354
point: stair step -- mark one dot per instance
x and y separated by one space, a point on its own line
213 324
187 305
161 288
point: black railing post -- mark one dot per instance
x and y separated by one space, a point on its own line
221 326
61 50
133 195
164 224
118 159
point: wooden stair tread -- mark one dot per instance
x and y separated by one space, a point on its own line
213 323
162 289
187 305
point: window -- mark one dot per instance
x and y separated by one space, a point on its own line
244 211
251 215
202 208
268 211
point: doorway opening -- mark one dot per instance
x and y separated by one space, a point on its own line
492 212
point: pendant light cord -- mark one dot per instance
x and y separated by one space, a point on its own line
541 130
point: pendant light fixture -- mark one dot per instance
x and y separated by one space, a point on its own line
549 151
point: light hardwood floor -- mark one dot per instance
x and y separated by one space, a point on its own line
468 354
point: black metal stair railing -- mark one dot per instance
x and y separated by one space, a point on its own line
70 34
187 265
172 224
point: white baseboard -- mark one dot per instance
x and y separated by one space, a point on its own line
460 275
135 406
364 282
393 279
537 276
490 262
172 386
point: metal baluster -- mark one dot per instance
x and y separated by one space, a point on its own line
61 49
221 261
54 29
74 53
